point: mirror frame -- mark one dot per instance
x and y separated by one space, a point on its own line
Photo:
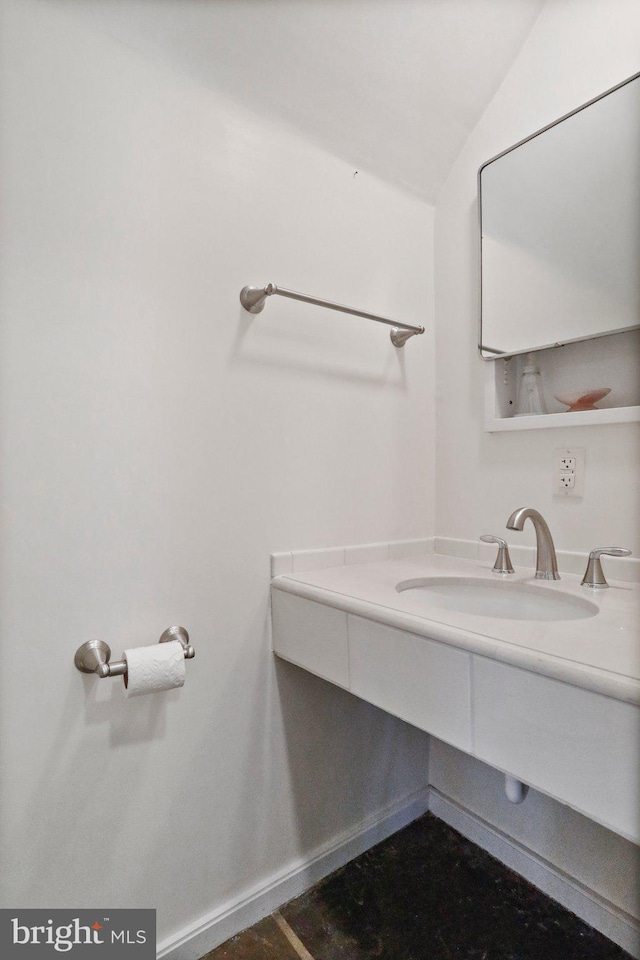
497 354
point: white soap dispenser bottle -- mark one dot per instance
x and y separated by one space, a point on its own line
530 399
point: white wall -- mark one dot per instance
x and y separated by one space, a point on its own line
158 443
576 50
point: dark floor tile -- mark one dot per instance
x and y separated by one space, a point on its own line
426 893
263 941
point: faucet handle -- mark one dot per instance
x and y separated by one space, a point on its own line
503 560
594 575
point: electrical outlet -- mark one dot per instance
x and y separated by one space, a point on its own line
568 472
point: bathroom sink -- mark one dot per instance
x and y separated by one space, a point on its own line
497 598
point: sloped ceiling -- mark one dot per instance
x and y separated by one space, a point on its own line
392 86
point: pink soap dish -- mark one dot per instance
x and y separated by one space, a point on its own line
582 401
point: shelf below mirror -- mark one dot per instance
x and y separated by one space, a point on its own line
611 362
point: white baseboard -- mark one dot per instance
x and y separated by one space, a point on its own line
595 910
213 929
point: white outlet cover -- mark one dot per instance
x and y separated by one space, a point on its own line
559 469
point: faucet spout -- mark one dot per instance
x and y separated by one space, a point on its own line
546 564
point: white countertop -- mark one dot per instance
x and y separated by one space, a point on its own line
599 653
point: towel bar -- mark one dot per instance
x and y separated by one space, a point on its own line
253 299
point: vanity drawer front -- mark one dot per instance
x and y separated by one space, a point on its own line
311 635
421 681
581 747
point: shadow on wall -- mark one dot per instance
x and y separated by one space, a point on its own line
347 760
139 720
91 827
300 344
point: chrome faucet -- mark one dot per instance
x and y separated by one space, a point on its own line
546 565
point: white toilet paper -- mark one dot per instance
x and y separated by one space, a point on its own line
153 668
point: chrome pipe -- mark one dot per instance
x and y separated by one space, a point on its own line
253 299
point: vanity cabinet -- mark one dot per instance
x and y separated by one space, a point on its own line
574 744
578 746
425 683
311 635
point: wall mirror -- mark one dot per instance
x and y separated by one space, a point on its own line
560 230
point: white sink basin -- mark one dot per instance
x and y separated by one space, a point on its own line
497 598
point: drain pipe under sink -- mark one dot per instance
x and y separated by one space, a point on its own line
515 789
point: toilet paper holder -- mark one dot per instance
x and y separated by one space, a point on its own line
94 656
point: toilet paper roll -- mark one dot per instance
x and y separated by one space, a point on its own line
149 669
